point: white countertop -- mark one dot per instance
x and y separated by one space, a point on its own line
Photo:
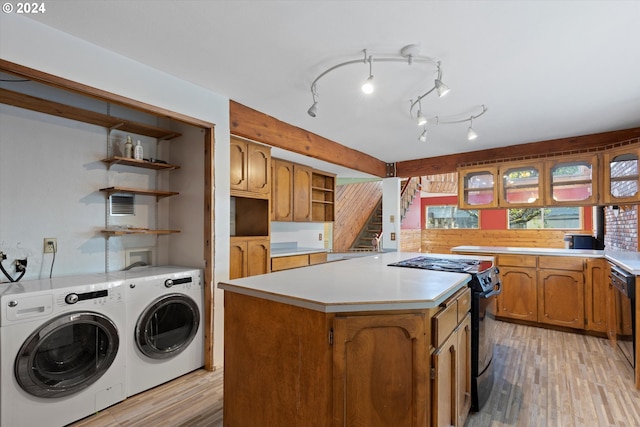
628 260
359 284
587 253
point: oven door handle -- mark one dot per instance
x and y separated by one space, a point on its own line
497 290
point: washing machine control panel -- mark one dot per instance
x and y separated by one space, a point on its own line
171 282
100 297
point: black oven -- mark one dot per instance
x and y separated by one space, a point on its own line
483 340
624 287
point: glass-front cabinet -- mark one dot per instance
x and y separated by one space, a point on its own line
621 175
478 188
521 184
572 180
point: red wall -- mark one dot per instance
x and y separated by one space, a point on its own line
491 219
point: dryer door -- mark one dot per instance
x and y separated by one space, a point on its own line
167 326
66 354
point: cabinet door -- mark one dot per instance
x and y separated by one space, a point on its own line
259 165
621 179
463 400
519 298
238 164
596 288
444 384
521 185
282 197
380 371
301 193
477 187
238 259
561 298
259 257
572 180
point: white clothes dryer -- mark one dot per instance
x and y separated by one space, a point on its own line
62 352
165 330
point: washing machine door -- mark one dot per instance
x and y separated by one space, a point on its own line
167 326
66 354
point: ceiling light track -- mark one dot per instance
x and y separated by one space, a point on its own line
409 55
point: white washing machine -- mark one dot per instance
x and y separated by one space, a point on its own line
62 349
165 329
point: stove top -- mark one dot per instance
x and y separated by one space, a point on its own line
456 265
484 275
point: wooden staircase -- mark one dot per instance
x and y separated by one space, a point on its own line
373 226
410 190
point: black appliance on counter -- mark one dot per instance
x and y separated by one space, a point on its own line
485 287
582 241
624 285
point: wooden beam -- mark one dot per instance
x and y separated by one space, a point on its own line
449 163
248 123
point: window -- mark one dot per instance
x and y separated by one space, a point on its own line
449 216
563 218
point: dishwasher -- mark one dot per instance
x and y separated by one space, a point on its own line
624 286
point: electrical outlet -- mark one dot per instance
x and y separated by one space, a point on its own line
320 236
50 245
393 236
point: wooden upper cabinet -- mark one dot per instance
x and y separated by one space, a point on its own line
282 193
477 187
250 168
621 181
301 193
572 180
521 184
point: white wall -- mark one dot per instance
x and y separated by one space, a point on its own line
391 213
34 45
304 234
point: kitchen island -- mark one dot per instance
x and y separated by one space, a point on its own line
345 343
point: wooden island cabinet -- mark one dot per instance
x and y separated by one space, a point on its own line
375 345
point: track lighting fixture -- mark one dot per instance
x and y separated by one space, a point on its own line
367 86
313 110
409 55
471 134
423 135
441 88
420 119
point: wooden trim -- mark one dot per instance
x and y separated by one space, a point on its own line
254 125
449 163
209 247
62 83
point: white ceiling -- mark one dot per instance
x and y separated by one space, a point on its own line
544 69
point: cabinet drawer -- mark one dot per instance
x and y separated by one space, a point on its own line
464 303
317 258
286 262
444 322
561 263
517 260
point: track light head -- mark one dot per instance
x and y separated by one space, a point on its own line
423 135
442 88
367 86
420 119
313 110
471 134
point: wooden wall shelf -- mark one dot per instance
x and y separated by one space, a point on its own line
117 160
159 194
33 103
126 231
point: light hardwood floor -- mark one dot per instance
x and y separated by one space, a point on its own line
543 378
